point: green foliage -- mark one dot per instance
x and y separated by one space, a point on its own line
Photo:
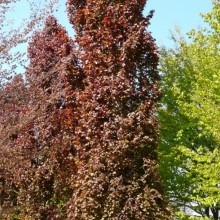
189 117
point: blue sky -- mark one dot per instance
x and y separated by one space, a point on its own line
168 14
171 13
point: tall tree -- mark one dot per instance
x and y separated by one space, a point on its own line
189 116
86 145
42 164
116 135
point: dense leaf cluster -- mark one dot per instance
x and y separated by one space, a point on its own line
189 117
83 140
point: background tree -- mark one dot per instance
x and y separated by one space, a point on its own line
15 32
189 117
13 100
43 164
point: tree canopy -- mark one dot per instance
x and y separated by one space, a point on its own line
84 133
189 117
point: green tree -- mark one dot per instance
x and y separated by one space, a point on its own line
189 117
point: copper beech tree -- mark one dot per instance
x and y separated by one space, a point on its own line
84 143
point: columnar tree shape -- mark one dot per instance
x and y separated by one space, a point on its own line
189 116
86 146
116 136
54 77
41 144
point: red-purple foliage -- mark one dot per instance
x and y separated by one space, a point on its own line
48 46
13 101
43 164
46 49
86 143
117 130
